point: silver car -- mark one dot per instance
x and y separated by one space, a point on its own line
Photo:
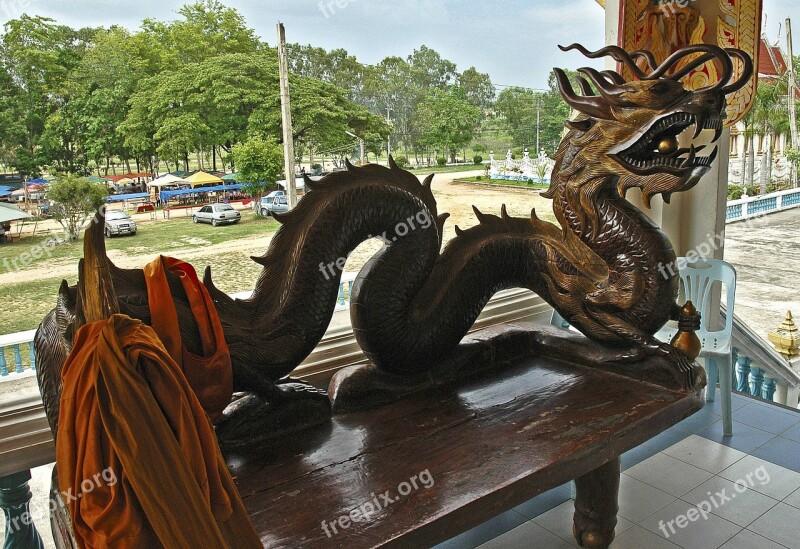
217 214
119 223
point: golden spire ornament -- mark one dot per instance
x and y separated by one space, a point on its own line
786 337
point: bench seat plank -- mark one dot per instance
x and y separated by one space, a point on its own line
489 444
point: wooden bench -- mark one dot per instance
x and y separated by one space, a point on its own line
438 462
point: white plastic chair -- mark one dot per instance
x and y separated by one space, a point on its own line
698 278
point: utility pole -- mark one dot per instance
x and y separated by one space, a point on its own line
286 111
795 145
388 137
360 142
538 120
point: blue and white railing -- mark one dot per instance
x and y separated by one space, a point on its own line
17 355
761 371
757 206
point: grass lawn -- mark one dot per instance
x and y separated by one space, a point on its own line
151 238
24 302
486 181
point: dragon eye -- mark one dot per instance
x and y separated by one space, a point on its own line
668 145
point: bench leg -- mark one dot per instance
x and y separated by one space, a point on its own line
596 506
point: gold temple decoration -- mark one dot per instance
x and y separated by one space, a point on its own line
686 339
664 26
786 337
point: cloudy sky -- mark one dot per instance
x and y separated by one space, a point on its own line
512 40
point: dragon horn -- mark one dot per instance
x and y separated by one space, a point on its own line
504 213
348 165
615 77
593 106
392 164
586 88
459 231
615 52
606 89
428 181
747 71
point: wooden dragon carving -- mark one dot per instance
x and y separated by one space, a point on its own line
411 303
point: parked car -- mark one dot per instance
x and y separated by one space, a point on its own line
265 200
217 214
119 223
279 205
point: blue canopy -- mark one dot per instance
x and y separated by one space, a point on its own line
4 193
166 195
124 197
39 181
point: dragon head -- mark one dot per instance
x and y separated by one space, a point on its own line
644 133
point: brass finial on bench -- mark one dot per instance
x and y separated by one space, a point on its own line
686 339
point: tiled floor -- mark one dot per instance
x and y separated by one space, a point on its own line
687 488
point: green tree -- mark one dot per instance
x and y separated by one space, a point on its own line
478 88
37 55
531 114
771 118
208 29
260 164
226 99
101 86
448 120
76 200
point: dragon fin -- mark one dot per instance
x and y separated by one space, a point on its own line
311 185
482 218
263 260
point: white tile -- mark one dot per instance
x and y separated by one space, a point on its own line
781 524
623 524
767 478
793 499
749 540
638 500
668 474
524 536
558 521
639 538
703 453
733 502
674 524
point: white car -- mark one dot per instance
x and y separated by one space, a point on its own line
119 223
217 214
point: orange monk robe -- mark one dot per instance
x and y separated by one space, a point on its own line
210 375
127 406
